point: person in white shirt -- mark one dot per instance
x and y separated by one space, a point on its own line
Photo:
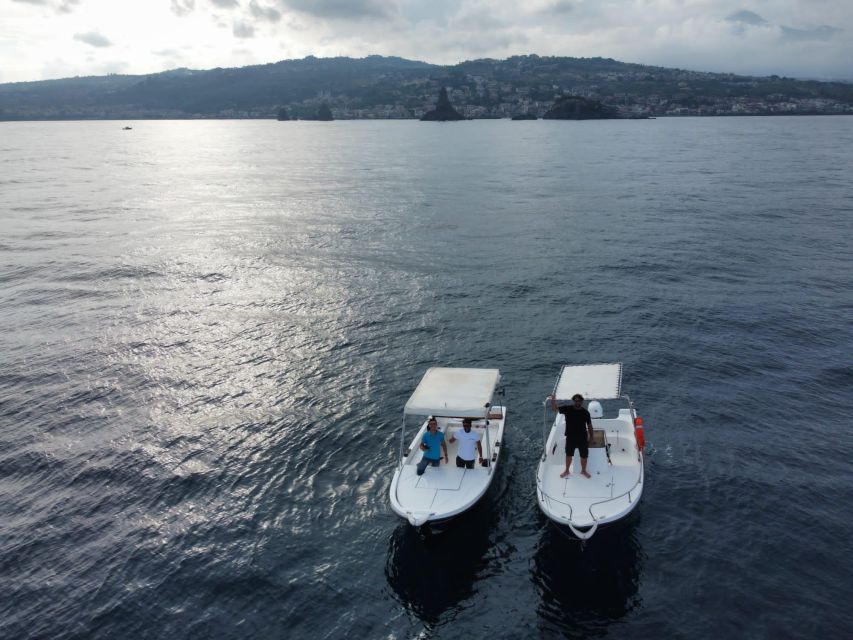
468 439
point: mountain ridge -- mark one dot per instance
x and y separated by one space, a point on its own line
391 86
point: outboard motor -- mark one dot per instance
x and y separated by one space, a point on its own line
595 409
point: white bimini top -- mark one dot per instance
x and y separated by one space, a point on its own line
599 381
445 391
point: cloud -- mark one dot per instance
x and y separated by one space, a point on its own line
561 7
753 37
820 33
67 6
94 39
477 19
746 17
182 7
114 66
243 30
789 34
343 9
269 14
60 6
167 53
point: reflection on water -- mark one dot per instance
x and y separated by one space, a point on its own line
433 571
208 329
585 587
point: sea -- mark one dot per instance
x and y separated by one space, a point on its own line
209 329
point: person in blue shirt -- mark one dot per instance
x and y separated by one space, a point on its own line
432 444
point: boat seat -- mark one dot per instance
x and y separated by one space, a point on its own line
598 441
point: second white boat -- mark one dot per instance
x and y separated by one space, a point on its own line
615 461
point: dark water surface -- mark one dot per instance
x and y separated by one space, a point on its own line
208 331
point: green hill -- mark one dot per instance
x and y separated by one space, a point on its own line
377 86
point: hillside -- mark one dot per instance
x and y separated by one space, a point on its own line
390 87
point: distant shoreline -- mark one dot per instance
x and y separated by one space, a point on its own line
380 88
273 118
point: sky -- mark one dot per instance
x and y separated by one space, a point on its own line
46 39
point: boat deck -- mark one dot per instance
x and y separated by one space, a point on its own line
610 490
446 490
442 490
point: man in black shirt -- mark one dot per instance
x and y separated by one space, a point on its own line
578 423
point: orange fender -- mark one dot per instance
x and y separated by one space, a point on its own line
639 435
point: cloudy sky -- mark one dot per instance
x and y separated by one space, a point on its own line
42 39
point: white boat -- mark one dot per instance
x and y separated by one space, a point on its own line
615 461
449 395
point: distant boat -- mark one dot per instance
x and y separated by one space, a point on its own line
127 128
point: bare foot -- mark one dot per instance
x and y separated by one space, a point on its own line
565 474
585 473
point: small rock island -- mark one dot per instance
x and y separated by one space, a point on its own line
443 111
578 108
324 113
283 115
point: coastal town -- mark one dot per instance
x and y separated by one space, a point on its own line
530 85
491 99
376 87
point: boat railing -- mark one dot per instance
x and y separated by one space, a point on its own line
628 493
621 495
548 498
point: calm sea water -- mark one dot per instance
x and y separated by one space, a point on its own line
208 331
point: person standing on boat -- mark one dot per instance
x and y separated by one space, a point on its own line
578 423
467 441
432 444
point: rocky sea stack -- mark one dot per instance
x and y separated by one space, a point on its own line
578 108
283 115
324 113
443 111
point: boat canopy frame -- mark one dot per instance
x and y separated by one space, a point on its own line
601 381
452 392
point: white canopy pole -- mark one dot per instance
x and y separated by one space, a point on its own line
488 448
402 438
